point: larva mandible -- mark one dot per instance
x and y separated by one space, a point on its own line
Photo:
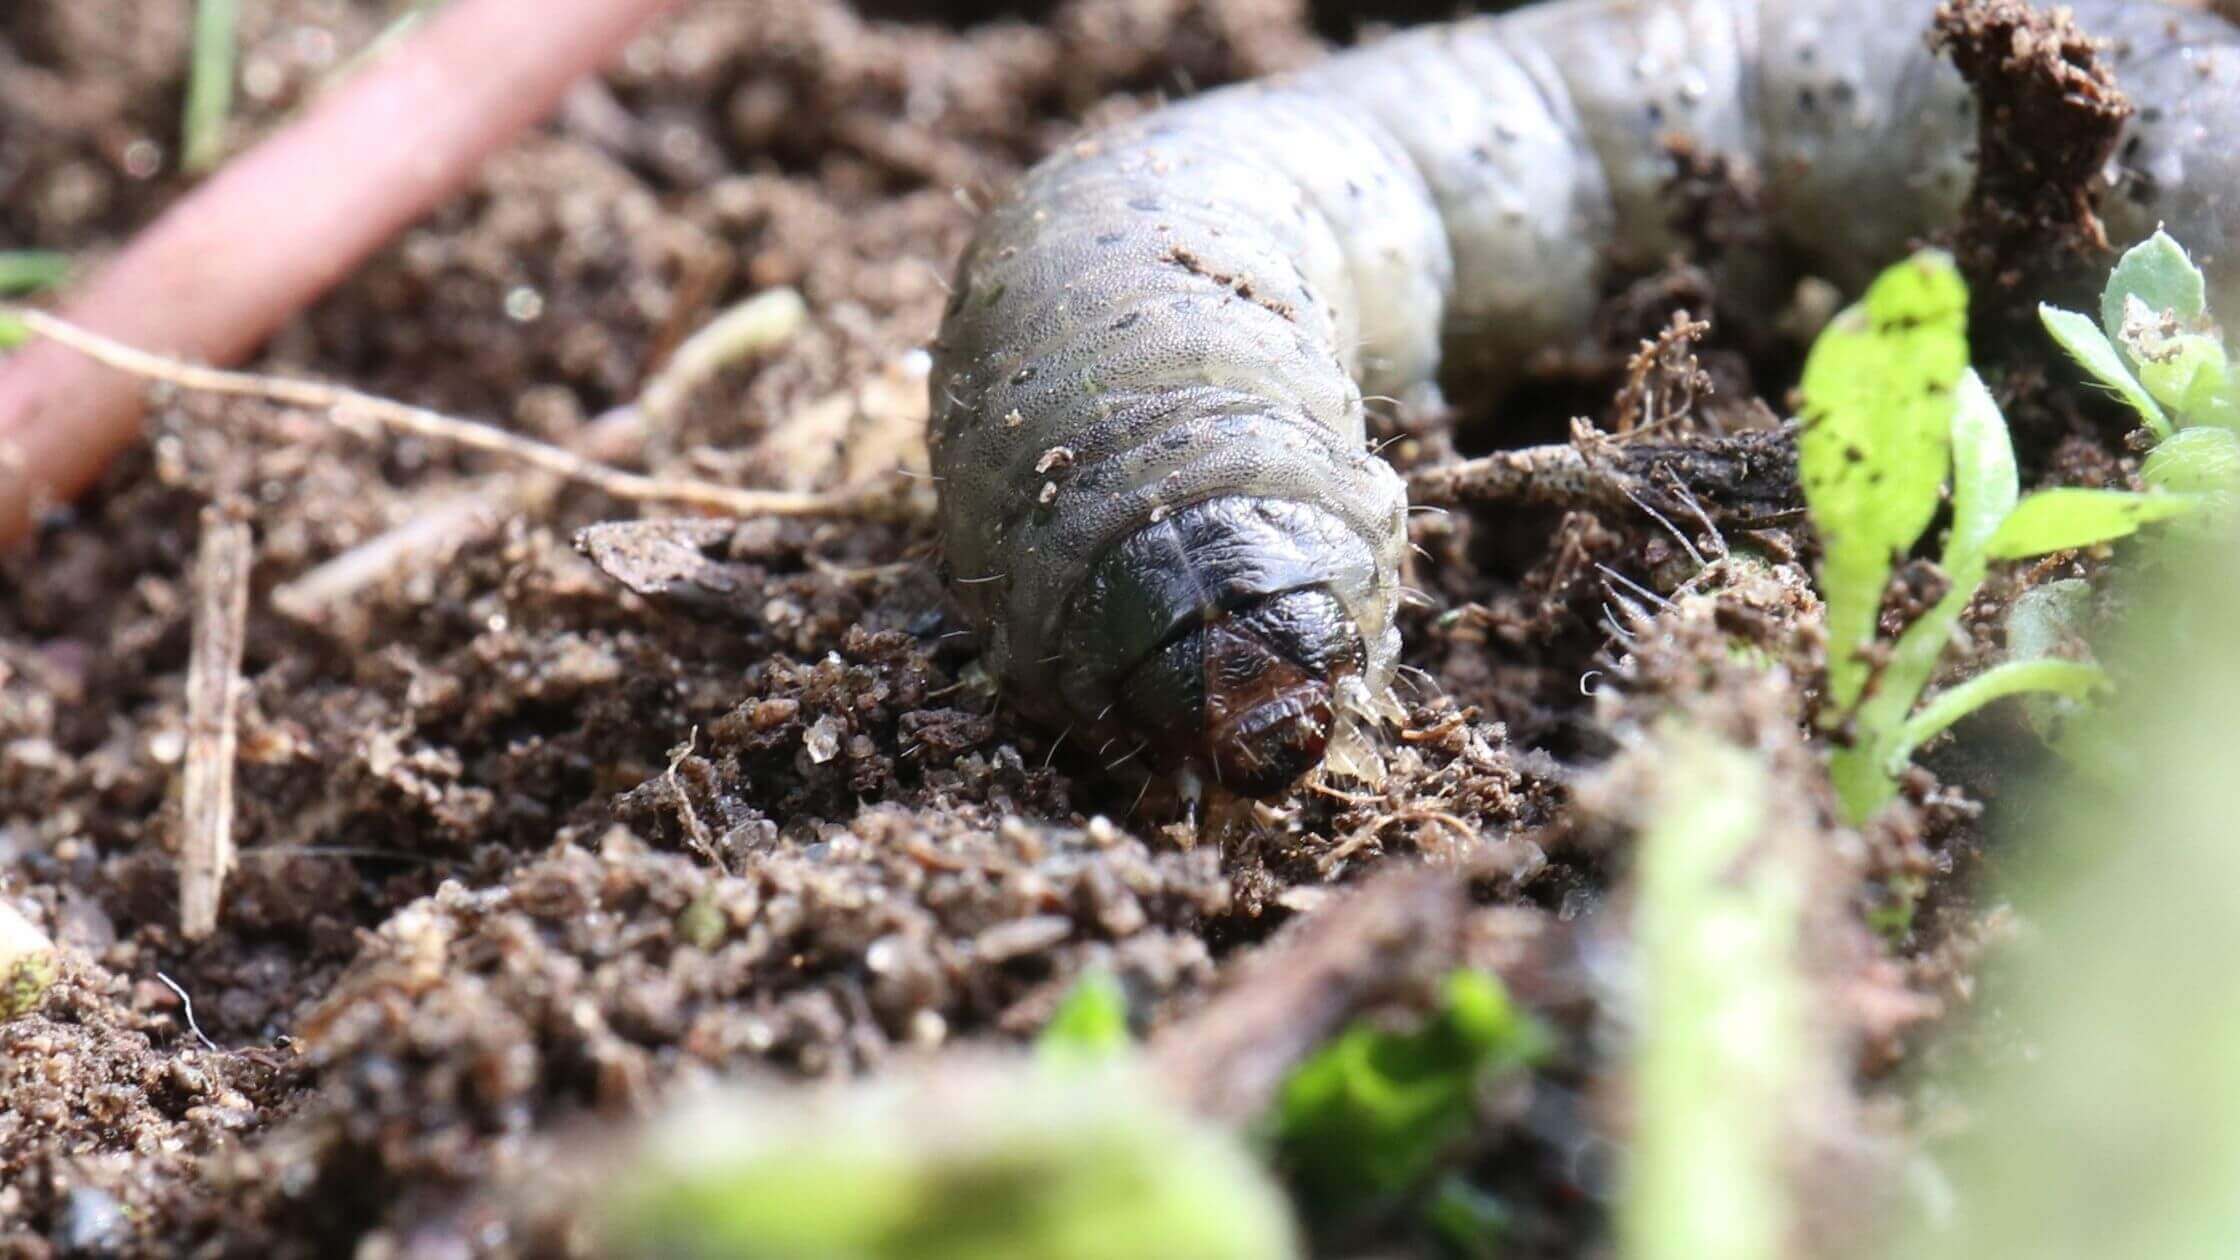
1156 498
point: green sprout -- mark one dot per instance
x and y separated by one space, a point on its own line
2154 344
209 84
981 1160
2157 348
1892 412
26 271
1367 1119
1090 1026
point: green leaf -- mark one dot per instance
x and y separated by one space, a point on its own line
991 1160
1984 488
2185 373
2157 272
1984 483
2098 356
2072 516
1468 1220
1090 1026
2048 623
2073 679
1368 1116
30 270
2195 461
1879 397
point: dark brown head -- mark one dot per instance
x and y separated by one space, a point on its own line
1249 694
1211 638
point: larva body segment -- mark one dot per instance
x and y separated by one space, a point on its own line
1148 388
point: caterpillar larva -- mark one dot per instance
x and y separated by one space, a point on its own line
1147 391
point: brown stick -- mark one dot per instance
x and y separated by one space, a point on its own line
221 581
272 231
350 407
1746 479
443 523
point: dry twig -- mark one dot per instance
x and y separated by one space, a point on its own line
456 517
696 833
1744 479
351 407
221 581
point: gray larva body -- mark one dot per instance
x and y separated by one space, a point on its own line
1148 418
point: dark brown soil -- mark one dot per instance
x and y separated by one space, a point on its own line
520 847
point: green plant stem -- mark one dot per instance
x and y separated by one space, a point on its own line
2074 679
1725 1047
209 84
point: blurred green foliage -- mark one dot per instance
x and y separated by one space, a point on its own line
209 84
989 1162
1724 1050
2104 1120
1366 1120
1090 1026
23 272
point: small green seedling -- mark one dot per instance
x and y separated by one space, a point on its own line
1090 1027
1366 1120
26 271
202 128
2155 345
1891 411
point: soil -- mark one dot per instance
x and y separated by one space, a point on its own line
521 847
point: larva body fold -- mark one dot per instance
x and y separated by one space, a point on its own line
1157 499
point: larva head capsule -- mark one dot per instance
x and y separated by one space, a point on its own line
1215 638
1250 693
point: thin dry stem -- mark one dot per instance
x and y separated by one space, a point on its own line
1746 479
445 522
221 580
1540 476
696 832
347 406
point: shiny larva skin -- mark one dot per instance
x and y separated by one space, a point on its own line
1148 428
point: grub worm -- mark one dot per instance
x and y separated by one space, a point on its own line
1148 388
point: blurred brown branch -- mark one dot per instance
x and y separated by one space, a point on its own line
276 228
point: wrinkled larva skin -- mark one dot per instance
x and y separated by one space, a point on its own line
1156 494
